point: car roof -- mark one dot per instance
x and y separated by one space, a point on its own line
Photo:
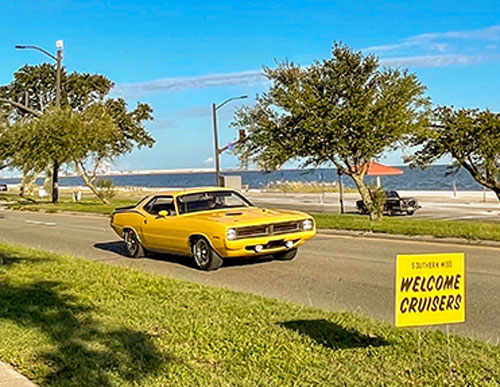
184 191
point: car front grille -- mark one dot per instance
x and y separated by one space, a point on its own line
268 230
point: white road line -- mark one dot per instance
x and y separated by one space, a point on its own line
41 223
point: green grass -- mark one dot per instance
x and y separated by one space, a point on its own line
67 321
87 204
305 187
411 226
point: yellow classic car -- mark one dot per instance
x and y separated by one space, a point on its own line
210 224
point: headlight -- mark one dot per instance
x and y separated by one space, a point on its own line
231 234
307 225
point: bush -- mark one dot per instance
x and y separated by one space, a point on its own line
106 188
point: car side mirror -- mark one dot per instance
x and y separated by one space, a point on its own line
163 214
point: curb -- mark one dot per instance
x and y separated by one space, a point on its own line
412 238
11 378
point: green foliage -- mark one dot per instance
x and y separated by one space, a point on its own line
378 200
345 111
106 188
34 87
86 131
470 136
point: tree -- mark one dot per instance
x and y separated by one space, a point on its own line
345 111
87 130
470 136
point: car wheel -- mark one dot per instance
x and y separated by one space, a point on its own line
286 255
410 212
133 245
204 256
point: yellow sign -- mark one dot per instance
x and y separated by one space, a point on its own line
430 289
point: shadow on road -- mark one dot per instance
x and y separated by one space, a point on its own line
75 348
118 247
331 335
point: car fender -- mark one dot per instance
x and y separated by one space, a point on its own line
135 232
200 234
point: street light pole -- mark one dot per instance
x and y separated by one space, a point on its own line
58 59
55 170
216 137
216 144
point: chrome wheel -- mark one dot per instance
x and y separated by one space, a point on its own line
202 253
132 244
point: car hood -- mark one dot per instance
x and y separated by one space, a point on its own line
236 217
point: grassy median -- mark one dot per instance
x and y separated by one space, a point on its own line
88 204
67 321
471 230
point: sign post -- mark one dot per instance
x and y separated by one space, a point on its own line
430 290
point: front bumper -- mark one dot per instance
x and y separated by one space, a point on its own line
270 244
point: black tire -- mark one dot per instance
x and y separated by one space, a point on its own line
204 256
286 255
133 245
410 212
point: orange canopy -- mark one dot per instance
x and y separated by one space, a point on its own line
376 169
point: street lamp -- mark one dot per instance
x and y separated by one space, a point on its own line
216 138
58 59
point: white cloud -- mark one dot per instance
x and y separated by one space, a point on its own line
440 49
433 60
428 40
183 83
489 33
209 161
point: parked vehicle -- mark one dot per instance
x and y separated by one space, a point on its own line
210 224
394 204
3 187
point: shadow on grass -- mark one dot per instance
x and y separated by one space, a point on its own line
7 260
118 247
78 350
331 335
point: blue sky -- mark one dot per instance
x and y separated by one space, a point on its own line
182 56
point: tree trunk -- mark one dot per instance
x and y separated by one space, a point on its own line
27 183
367 197
497 192
80 169
47 183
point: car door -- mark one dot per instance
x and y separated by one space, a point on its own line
157 230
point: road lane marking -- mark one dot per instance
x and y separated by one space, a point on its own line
38 222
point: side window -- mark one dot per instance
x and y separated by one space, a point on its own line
161 203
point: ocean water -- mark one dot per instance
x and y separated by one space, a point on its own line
434 178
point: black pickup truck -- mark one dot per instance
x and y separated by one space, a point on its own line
394 204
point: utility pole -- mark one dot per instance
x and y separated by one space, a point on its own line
218 151
55 171
58 60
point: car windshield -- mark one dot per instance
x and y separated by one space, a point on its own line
391 194
205 201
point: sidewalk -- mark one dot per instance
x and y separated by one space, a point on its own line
10 378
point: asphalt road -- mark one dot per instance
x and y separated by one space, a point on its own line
331 272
